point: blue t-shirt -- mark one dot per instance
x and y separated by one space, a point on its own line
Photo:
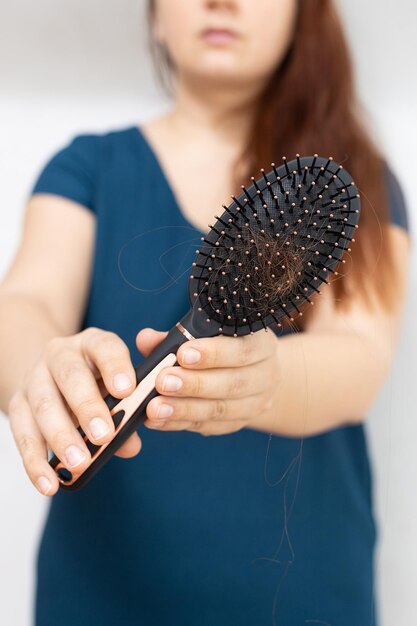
244 529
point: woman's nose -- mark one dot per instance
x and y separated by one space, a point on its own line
221 4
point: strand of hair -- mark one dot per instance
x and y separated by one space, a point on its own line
321 267
349 198
351 184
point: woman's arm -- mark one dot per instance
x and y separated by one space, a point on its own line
49 370
43 293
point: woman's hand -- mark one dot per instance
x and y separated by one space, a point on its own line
63 390
222 384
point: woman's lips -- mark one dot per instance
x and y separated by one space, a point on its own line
219 36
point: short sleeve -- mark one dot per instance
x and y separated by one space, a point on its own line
72 171
397 208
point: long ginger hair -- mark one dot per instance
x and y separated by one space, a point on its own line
310 106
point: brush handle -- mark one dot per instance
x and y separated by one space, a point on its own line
127 413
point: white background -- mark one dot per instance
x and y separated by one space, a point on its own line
73 66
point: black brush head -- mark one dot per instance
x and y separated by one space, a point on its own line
273 246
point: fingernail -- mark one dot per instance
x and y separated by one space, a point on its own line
98 427
74 456
171 383
122 381
43 485
191 356
165 410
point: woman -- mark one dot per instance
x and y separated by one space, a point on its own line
242 528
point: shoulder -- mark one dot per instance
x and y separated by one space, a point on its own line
75 168
397 204
91 145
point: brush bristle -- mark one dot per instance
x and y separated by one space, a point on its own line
275 244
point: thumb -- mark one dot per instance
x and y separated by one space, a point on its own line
147 339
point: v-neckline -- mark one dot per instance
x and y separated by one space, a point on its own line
167 182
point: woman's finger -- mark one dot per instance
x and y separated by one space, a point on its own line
78 386
168 410
112 357
219 352
221 427
53 421
84 397
148 339
233 382
217 428
131 447
31 446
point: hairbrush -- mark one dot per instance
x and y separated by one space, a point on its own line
262 260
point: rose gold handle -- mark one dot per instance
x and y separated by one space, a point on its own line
126 405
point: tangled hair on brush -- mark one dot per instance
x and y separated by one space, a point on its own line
279 265
313 90
273 246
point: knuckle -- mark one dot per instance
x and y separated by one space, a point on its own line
53 345
245 351
122 348
108 338
116 366
26 445
219 409
237 383
91 336
60 439
30 462
183 410
69 369
87 332
109 341
196 385
87 407
54 349
43 404
213 353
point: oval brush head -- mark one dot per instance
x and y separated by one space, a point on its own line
273 246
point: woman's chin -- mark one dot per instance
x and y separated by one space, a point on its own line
222 74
